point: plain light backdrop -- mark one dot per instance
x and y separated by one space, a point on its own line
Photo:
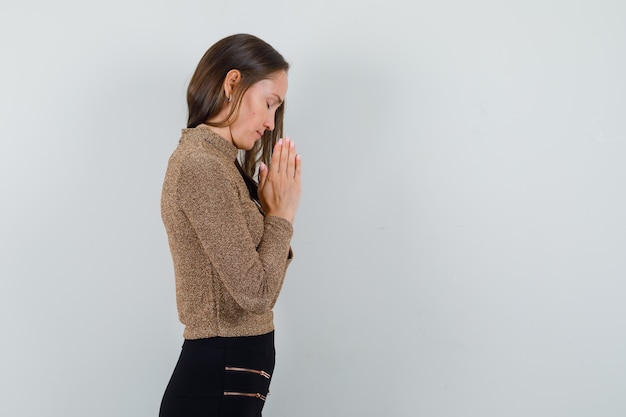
460 247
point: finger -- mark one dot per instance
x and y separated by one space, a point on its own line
291 161
275 165
298 172
284 156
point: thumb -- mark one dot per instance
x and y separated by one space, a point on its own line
262 174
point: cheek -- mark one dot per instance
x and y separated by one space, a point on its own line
249 111
252 113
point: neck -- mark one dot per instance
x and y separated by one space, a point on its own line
222 131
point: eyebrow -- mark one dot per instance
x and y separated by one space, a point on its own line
280 100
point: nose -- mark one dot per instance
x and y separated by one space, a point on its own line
269 122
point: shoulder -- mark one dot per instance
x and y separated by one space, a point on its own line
196 156
201 166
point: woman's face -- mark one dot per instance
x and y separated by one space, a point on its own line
257 110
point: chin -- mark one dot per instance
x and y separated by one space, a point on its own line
245 146
254 142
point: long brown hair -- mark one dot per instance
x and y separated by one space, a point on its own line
256 60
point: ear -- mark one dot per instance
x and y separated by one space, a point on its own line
230 81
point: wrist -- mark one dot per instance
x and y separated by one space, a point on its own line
282 215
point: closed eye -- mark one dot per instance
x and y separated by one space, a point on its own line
275 103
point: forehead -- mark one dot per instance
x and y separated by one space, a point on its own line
276 83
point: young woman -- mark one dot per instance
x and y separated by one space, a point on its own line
229 236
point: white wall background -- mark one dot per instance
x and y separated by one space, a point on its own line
460 245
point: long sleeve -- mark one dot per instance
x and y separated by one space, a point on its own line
252 275
229 260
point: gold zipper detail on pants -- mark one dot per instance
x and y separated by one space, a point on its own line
254 371
245 394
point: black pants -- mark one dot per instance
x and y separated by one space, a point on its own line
221 377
